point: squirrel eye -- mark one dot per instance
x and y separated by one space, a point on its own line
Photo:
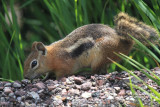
34 63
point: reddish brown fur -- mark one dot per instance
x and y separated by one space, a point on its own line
87 46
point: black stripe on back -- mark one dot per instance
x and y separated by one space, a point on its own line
80 49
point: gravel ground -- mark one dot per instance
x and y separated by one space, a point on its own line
110 90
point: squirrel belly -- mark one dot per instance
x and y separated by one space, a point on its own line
87 46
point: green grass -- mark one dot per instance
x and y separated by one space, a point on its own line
154 94
51 20
12 52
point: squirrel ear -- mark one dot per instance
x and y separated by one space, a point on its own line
34 45
39 46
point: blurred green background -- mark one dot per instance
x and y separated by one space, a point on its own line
24 21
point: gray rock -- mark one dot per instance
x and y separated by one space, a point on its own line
40 91
122 92
107 84
26 81
64 92
20 93
96 94
22 104
34 95
94 84
34 89
7 90
74 91
56 90
130 98
79 103
11 94
117 88
2 99
86 95
78 80
51 87
19 98
69 82
8 84
40 85
4 104
1 88
100 82
110 97
16 85
57 100
86 86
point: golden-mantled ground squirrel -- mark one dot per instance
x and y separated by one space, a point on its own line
87 46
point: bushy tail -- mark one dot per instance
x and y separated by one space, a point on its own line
125 24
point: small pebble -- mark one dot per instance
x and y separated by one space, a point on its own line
11 94
51 87
107 90
40 85
78 80
7 90
19 98
26 81
110 98
34 89
34 95
1 88
122 92
64 92
96 94
16 85
86 86
74 91
100 82
117 88
86 95
20 93
8 84
69 82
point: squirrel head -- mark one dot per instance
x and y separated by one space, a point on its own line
34 65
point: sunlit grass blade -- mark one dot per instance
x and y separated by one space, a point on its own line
125 69
10 35
134 63
155 92
135 94
137 65
149 12
152 90
145 48
6 11
156 7
26 3
3 79
153 45
149 94
103 13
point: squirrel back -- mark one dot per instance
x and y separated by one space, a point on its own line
87 46
126 25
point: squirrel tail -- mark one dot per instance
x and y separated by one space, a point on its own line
126 25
